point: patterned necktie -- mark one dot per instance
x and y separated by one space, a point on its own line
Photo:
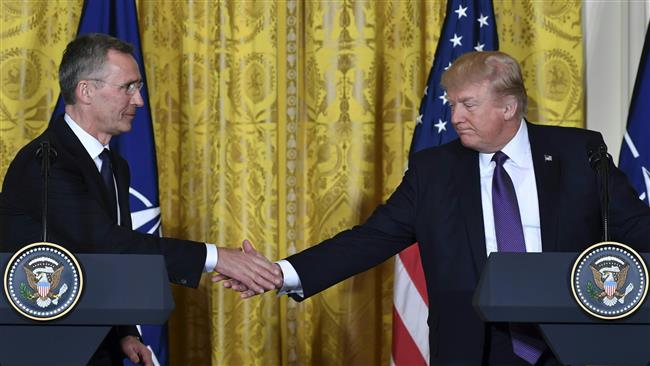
507 221
107 176
510 238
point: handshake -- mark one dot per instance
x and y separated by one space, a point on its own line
247 271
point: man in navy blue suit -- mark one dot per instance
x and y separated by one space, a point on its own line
446 203
89 186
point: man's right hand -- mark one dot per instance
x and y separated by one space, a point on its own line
136 351
247 271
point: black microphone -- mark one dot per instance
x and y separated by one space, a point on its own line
599 160
47 154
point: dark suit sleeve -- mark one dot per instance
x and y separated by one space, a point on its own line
629 216
387 231
78 220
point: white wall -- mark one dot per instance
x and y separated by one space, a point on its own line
614 32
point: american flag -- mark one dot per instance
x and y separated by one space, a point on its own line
468 26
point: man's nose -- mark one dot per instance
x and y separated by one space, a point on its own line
137 99
456 115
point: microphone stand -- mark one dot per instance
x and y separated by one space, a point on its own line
599 160
47 154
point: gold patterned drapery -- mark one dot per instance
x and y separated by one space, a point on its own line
282 122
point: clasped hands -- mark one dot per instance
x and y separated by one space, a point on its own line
247 271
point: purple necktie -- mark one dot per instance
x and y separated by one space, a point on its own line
510 238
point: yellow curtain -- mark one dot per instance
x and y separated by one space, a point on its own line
546 38
282 122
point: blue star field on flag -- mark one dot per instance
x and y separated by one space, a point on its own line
468 26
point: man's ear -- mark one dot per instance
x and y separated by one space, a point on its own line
510 108
84 92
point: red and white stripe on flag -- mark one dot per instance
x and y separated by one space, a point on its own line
43 289
610 288
410 310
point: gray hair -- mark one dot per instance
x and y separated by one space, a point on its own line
85 56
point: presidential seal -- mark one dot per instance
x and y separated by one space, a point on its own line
609 280
43 281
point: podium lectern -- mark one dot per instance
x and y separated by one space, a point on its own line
535 288
118 290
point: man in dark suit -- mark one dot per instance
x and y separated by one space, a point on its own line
451 201
88 186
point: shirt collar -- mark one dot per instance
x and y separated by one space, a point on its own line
517 149
91 144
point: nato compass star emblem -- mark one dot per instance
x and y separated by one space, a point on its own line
609 280
43 281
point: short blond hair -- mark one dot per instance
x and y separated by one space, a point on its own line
500 69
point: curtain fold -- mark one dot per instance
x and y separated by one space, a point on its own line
282 122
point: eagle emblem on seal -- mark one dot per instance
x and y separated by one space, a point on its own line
610 276
43 281
43 276
609 280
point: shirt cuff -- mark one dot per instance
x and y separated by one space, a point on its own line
211 257
291 283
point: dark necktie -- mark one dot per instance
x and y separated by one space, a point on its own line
107 176
510 238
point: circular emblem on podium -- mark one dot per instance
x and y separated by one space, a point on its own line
43 281
609 280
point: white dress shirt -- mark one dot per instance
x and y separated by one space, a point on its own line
94 148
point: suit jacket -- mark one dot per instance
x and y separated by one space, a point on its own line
81 217
438 204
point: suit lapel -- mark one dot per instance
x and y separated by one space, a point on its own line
547 166
468 180
120 169
87 166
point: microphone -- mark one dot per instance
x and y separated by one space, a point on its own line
47 155
597 154
599 161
